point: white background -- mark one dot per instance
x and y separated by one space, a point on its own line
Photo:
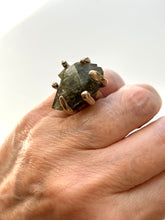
127 36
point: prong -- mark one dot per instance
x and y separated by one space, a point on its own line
65 105
64 64
98 77
85 60
98 95
86 96
55 85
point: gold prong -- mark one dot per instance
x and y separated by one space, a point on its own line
85 60
98 77
86 96
65 105
64 64
55 85
98 95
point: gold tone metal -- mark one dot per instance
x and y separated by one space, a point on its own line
85 60
86 96
98 95
55 85
98 77
64 64
65 106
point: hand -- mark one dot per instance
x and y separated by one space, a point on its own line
86 166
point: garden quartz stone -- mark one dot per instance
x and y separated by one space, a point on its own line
75 79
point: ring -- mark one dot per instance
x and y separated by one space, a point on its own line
79 86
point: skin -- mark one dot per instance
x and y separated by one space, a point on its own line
87 165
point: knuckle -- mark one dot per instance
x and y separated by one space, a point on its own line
140 100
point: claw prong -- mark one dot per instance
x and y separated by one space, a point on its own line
64 64
98 77
55 85
98 95
86 96
65 105
85 60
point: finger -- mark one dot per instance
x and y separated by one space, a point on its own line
45 107
114 82
149 197
139 157
114 116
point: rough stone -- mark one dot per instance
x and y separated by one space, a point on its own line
74 80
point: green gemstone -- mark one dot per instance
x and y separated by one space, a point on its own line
75 80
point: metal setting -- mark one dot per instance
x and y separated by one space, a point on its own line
79 86
98 95
55 85
85 60
98 77
65 64
86 96
65 105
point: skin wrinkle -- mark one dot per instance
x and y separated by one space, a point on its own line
23 208
85 129
47 162
150 194
79 173
141 157
19 166
10 202
12 155
64 128
15 136
139 100
66 194
114 177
